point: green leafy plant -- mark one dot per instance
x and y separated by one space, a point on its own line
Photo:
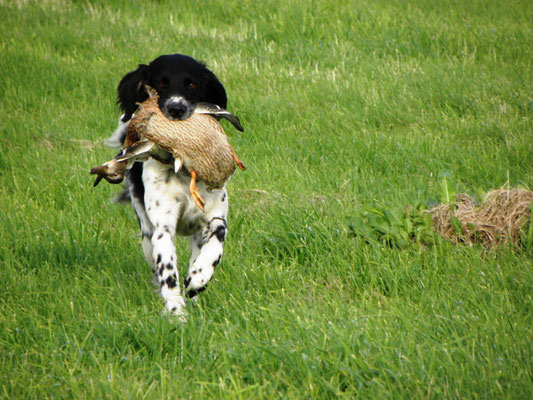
394 227
400 227
448 194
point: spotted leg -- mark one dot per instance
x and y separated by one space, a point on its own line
206 249
163 211
136 193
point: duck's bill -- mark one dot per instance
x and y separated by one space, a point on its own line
97 180
110 179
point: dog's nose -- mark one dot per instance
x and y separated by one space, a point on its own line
176 110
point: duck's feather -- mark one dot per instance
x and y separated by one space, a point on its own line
213 109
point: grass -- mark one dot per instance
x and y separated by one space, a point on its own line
346 105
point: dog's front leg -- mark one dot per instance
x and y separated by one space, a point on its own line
163 208
207 247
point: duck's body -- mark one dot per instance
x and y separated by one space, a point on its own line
198 143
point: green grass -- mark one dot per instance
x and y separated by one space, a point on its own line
346 106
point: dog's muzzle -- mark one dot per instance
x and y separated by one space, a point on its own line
177 108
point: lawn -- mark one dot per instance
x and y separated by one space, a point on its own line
346 105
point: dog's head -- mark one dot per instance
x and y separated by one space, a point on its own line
180 81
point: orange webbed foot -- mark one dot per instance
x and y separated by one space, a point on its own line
237 161
195 193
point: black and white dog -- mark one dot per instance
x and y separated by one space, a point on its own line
161 197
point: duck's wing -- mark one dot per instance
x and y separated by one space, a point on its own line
213 109
137 150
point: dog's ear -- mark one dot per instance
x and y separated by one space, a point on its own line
214 90
131 91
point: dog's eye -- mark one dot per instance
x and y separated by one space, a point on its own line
163 83
191 85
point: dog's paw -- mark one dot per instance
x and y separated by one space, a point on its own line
176 308
197 280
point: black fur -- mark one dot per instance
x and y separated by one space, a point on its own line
173 75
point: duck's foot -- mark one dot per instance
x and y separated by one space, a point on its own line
237 161
195 193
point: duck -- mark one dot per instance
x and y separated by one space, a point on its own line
198 143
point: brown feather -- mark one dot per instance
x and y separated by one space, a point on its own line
199 141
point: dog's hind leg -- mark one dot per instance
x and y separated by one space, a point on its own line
207 246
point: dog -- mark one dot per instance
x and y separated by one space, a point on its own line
161 197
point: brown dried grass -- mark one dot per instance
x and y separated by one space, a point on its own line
498 219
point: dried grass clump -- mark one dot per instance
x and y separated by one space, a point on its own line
498 220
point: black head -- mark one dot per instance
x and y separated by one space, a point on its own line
180 81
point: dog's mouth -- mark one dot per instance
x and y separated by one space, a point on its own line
176 107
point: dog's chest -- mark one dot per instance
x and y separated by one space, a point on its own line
167 195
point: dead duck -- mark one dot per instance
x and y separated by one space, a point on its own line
198 143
